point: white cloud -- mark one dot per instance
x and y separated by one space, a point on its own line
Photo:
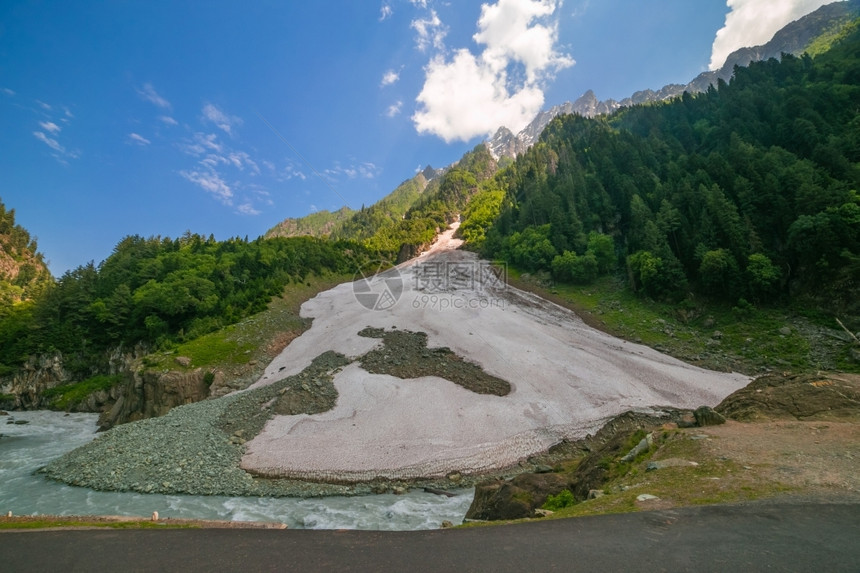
49 141
225 122
148 93
394 109
754 22
212 183
8 92
44 106
248 209
201 143
364 170
138 139
390 77
50 126
419 3
385 12
467 95
429 32
168 120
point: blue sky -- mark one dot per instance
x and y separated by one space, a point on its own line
157 117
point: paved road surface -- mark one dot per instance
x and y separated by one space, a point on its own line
823 537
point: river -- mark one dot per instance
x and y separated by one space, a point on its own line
24 448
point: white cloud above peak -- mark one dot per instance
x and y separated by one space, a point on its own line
465 96
754 22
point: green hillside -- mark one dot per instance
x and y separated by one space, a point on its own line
317 224
747 191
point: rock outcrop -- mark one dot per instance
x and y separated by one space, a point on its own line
138 393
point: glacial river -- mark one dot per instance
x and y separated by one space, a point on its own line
26 447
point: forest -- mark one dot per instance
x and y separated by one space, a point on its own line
161 291
748 191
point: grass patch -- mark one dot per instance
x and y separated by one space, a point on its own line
257 338
712 481
70 395
727 337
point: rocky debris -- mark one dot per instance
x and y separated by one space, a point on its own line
706 416
543 512
183 361
820 396
405 354
519 497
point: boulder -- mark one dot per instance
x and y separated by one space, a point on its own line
514 499
706 416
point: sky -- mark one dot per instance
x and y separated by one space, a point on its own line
159 117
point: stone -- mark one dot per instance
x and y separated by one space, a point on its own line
447 524
543 512
641 447
646 497
183 361
21 422
542 469
717 335
595 493
706 416
455 477
4 413
785 331
669 463
398 490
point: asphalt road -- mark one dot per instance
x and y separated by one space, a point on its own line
808 537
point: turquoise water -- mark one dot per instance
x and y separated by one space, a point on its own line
48 435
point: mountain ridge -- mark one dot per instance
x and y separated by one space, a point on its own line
794 38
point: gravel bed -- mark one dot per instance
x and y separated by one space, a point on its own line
196 449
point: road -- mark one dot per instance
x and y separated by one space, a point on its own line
758 537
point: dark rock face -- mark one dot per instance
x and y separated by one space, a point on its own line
799 397
515 499
148 395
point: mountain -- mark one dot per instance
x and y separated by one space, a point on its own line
316 224
346 223
813 33
23 272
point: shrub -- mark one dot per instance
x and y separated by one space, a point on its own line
560 501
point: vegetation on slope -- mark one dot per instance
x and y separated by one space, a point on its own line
317 224
746 193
